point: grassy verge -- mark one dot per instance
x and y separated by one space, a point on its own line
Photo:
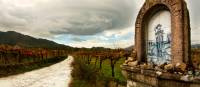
106 70
89 75
8 70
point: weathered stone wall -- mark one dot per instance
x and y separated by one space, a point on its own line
180 29
150 78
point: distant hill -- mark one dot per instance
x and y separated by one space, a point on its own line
14 38
195 46
130 48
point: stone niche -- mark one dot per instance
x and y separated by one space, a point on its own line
176 29
162 47
158 38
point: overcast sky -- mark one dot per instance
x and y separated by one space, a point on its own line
81 23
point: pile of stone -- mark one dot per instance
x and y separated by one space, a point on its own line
131 62
177 69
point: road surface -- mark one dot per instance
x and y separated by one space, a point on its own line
57 75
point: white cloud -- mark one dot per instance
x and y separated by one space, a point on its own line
54 17
119 32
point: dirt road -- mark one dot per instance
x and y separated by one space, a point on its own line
57 75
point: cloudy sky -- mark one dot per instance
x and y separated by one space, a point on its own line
81 23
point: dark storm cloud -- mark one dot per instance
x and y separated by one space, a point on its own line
76 17
93 20
193 6
89 23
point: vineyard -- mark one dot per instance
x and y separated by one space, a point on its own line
195 54
99 68
14 59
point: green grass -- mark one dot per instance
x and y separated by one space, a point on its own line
106 70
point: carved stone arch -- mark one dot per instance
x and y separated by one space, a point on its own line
180 28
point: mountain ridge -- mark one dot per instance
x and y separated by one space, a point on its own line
14 38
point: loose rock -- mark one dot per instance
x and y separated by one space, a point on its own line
130 59
197 73
181 66
134 63
162 65
157 68
185 78
159 73
150 66
169 67
144 66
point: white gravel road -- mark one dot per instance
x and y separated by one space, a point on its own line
57 75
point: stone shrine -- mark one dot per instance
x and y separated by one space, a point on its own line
161 56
